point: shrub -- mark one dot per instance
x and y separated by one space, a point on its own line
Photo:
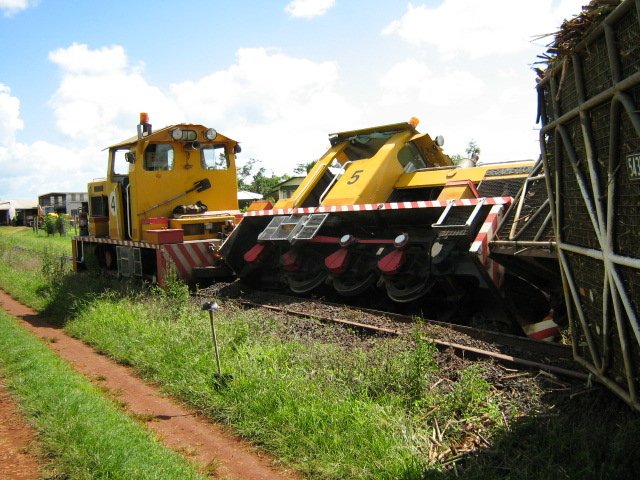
62 224
50 224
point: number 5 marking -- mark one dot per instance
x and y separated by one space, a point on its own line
355 177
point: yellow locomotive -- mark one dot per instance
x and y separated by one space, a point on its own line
170 198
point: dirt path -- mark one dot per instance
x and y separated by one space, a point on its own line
17 461
179 428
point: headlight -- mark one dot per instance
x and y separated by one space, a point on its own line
176 134
211 134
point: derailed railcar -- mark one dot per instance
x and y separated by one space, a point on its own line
589 102
398 218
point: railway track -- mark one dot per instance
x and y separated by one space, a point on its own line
468 341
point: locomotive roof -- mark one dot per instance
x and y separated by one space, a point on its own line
392 128
158 134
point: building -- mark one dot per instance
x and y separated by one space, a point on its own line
285 189
62 202
245 198
19 212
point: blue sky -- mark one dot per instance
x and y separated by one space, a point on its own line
278 76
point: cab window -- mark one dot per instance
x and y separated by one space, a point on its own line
214 157
410 158
120 164
365 146
158 156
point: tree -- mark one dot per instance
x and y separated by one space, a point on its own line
472 150
304 168
253 178
456 159
245 174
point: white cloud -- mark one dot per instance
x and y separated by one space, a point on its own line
10 121
12 7
481 29
470 76
280 107
286 106
495 107
78 58
29 170
413 79
100 94
308 8
32 169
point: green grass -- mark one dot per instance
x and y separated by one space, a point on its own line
84 434
369 411
315 405
39 242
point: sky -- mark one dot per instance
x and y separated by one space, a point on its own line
277 76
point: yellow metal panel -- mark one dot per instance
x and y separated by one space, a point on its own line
216 222
99 226
195 220
312 179
116 221
430 151
157 193
455 192
435 177
370 180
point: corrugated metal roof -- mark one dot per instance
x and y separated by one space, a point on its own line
244 195
18 204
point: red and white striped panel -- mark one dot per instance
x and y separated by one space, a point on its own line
480 245
126 243
188 255
465 202
545 330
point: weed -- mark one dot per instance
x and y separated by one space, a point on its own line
54 268
62 225
421 368
469 393
174 294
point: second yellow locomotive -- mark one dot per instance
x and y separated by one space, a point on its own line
169 199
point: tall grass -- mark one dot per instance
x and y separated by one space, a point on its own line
332 411
328 410
365 411
39 242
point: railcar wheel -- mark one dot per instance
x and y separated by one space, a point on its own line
351 285
305 285
406 289
306 272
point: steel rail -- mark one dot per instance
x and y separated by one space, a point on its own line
387 331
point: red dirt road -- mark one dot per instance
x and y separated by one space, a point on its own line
17 461
203 442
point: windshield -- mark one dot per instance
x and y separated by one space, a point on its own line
214 157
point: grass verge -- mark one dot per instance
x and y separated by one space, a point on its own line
86 435
345 409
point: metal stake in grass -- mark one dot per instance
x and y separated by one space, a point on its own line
219 378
